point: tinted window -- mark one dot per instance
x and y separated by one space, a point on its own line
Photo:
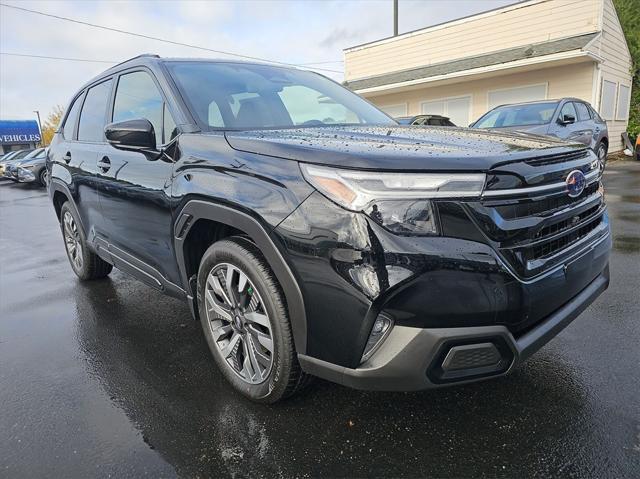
170 130
91 127
568 109
138 97
595 114
72 117
518 115
257 96
583 111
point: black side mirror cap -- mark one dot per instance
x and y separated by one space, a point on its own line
137 134
567 119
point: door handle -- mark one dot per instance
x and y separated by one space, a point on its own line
67 157
104 164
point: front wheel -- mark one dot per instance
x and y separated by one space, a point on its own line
245 321
601 152
43 177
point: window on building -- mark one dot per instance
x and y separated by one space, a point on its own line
607 99
72 117
622 108
457 109
395 111
517 95
138 97
92 117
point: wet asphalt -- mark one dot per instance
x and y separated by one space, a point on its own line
111 378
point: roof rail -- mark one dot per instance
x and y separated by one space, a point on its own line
142 55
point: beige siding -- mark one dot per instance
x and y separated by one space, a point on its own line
532 22
616 67
571 80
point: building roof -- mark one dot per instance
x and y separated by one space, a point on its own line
504 56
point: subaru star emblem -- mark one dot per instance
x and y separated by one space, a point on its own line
575 183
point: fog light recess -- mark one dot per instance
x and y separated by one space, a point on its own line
475 358
381 328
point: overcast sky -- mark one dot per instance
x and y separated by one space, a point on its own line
286 31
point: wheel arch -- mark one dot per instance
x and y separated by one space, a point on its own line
60 194
234 223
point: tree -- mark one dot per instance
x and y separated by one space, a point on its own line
51 124
629 15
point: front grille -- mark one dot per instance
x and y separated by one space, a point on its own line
532 234
544 206
562 158
565 224
554 246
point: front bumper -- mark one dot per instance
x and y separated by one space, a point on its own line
351 271
416 358
17 173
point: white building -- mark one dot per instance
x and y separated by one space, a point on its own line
532 50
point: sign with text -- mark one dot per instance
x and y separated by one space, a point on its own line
19 131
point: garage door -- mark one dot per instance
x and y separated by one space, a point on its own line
517 95
457 109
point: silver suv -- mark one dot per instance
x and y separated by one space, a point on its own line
569 119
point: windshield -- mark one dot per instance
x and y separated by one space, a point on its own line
21 154
518 115
246 96
34 154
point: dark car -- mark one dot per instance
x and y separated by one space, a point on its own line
430 120
30 169
12 155
312 235
569 119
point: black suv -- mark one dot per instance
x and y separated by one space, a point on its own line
313 235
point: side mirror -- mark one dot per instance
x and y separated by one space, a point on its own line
135 134
567 119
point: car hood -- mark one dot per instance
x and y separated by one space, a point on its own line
28 161
398 147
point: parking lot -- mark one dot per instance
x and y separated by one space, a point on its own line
112 378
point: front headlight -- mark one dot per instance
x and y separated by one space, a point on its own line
398 201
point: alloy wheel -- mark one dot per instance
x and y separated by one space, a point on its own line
72 240
239 323
602 157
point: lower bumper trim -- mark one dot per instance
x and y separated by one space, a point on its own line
408 353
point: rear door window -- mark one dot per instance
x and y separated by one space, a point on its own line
92 117
583 111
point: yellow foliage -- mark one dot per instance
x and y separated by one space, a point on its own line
51 124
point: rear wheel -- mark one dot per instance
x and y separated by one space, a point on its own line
85 264
245 321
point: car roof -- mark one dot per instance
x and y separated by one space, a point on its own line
550 100
151 59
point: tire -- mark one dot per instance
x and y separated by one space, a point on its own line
42 177
85 264
239 327
601 153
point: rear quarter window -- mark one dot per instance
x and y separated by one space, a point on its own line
72 118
